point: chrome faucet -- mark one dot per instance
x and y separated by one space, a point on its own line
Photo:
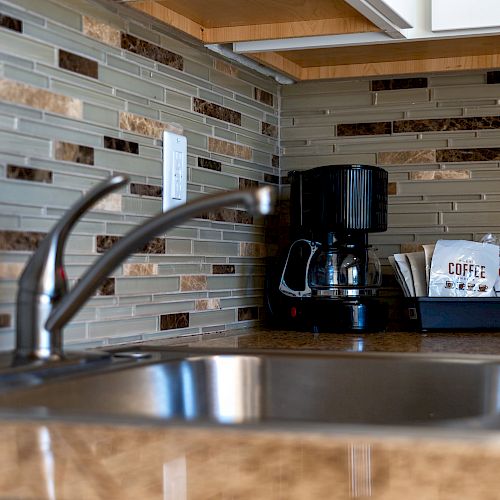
44 305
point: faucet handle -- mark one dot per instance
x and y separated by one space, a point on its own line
43 281
46 263
61 230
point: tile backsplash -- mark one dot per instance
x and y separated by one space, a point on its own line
438 136
86 90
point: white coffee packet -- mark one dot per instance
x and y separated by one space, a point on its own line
461 268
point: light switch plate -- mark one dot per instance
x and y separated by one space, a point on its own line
174 170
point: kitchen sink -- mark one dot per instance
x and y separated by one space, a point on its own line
259 387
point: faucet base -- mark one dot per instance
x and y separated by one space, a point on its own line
13 359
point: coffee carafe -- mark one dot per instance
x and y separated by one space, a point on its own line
330 275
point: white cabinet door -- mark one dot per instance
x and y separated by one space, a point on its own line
465 14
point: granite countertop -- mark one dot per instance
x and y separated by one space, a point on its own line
63 460
414 342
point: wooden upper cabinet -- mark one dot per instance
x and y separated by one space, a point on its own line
372 51
225 21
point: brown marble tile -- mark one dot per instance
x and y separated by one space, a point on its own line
76 153
353 129
269 130
106 288
101 31
11 23
29 174
226 68
275 161
399 83
111 203
243 217
228 215
173 321
252 249
223 269
11 270
210 164
493 77
146 126
20 93
121 145
20 240
207 304
392 188
248 183
215 111
229 148
154 246
466 155
447 124
78 64
151 51
431 175
263 96
406 157
5 320
190 283
248 313
145 269
272 179
146 190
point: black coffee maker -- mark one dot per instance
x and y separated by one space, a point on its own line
328 278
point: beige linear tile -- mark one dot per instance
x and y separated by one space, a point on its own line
191 283
406 157
229 148
101 31
431 175
226 68
20 93
10 270
67 151
147 126
140 269
392 188
207 304
411 247
252 249
111 203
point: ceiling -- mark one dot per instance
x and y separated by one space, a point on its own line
326 38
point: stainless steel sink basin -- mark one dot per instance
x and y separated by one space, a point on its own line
270 387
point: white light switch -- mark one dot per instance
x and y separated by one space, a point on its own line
174 170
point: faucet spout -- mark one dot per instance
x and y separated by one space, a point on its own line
66 305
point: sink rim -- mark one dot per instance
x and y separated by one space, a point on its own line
481 425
